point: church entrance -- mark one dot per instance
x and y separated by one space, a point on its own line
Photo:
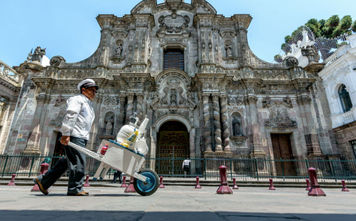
173 148
282 151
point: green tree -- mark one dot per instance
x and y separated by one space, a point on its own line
330 28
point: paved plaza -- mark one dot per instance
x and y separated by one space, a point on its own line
176 203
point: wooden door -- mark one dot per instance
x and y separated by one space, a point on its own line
282 151
173 148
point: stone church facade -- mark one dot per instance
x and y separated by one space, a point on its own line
192 73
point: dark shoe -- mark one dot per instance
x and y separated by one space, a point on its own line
40 186
83 193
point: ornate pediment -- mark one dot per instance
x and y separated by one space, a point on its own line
173 24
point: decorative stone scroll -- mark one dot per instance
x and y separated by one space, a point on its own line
56 61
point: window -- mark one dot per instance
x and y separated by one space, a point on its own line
344 98
173 58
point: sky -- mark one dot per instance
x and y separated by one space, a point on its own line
69 28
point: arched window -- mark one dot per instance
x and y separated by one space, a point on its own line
173 58
345 98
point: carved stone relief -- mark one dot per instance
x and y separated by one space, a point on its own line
173 91
110 100
173 24
279 118
236 100
267 102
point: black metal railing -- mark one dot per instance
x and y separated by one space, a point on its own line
208 168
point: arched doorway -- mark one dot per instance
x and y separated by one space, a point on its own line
173 147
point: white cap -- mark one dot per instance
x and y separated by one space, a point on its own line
87 83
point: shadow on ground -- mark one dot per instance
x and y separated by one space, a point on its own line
56 215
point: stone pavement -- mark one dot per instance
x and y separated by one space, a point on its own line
176 203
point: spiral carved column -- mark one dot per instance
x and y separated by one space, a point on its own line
225 125
207 125
129 110
217 124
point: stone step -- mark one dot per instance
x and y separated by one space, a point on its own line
28 181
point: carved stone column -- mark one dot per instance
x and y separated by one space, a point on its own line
33 142
140 113
207 125
225 125
5 119
121 114
255 126
217 124
311 137
129 110
2 108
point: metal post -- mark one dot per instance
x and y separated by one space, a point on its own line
231 168
33 161
307 166
332 170
255 160
205 168
3 170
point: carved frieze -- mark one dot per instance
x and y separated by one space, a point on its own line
111 100
236 100
267 102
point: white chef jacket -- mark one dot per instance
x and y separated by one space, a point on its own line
79 117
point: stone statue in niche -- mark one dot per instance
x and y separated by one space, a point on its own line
236 126
108 128
109 123
173 97
118 50
228 49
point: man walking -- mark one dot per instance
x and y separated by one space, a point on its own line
76 126
186 166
